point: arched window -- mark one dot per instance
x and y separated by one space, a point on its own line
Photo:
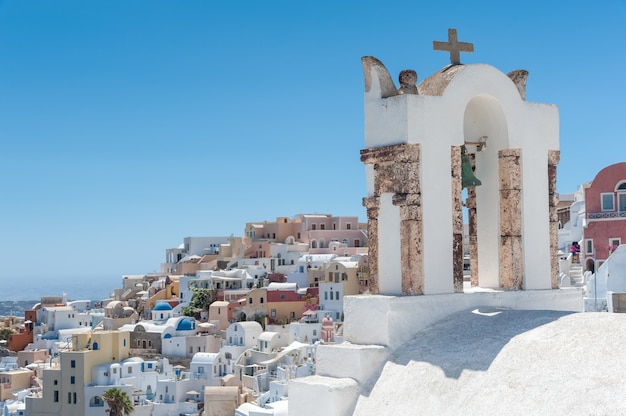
96 401
95 346
313 243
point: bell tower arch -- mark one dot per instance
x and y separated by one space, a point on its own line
414 136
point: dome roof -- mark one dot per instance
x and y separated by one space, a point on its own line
185 324
162 306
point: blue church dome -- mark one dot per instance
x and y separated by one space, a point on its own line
162 306
185 324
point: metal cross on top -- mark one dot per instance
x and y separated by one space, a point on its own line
453 46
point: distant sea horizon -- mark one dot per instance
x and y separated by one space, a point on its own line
74 289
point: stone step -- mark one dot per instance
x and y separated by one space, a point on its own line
319 395
359 362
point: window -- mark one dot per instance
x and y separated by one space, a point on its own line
348 226
357 243
292 315
589 246
69 398
273 313
325 295
96 401
56 396
282 296
298 236
261 300
337 295
331 295
74 395
313 227
56 382
322 226
621 201
72 380
130 370
615 241
607 202
73 363
315 332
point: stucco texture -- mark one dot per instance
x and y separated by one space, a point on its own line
493 362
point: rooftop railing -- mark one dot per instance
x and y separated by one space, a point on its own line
606 214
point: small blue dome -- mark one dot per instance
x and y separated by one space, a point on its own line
185 324
162 306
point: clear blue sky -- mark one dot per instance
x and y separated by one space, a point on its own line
127 125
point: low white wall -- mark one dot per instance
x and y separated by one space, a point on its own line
393 320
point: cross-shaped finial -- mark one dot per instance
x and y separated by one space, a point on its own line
453 46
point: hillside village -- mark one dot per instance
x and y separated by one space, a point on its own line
233 318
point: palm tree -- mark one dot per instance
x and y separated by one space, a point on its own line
118 402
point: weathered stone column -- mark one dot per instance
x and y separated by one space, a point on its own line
411 240
457 218
371 205
553 200
511 260
397 171
472 222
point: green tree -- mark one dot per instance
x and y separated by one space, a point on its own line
118 402
200 300
4 333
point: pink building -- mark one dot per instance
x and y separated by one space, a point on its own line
605 201
322 233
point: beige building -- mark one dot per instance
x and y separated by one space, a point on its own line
256 304
64 386
219 401
318 231
218 311
26 357
345 273
12 381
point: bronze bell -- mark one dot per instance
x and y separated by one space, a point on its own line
467 173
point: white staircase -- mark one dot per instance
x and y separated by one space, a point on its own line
576 275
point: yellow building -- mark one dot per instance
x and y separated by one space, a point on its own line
64 386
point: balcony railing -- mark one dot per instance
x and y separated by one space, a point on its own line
606 214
